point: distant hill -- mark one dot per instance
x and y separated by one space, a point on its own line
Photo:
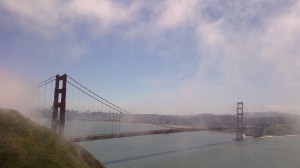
204 120
26 144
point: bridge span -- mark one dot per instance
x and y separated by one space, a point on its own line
140 133
257 132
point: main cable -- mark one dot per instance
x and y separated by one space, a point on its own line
46 80
39 86
93 97
98 95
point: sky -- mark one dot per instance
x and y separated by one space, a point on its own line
160 56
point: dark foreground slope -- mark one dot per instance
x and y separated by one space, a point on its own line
26 144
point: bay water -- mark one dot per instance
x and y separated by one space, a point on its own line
205 149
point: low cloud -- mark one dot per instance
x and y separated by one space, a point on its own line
16 92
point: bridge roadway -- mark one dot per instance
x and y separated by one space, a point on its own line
140 133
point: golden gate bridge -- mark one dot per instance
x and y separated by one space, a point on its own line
62 95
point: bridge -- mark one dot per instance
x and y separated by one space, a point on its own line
62 97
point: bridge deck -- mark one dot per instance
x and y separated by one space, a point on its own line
139 133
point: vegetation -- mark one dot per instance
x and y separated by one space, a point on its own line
26 144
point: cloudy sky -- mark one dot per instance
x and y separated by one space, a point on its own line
159 56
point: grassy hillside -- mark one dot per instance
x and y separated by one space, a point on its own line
26 144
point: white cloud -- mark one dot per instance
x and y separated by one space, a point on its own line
177 13
54 19
241 44
248 52
210 34
50 17
259 51
44 17
280 44
104 13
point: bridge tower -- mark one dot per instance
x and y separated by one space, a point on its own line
59 104
239 121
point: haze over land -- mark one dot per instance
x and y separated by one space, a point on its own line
164 57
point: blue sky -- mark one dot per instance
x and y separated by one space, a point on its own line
165 57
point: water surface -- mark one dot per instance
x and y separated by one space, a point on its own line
189 149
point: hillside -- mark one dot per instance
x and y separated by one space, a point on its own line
26 144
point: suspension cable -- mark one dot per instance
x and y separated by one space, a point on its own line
98 95
92 96
45 83
231 110
46 80
246 110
